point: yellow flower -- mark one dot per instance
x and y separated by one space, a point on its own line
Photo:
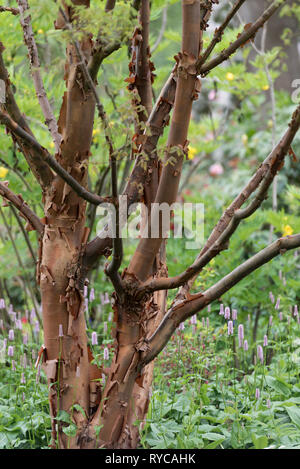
96 131
40 31
287 230
192 152
245 139
265 87
3 172
229 76
51 145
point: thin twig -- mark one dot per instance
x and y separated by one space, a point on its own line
36 75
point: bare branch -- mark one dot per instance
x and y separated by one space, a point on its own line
14 11
22 207
183 310
232 216
243 38
40 169
50 120
219 32
44 156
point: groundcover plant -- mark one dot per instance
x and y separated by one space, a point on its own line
96 401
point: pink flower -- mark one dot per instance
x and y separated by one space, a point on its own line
2 303
92 294
10 351
260 353
194 319
241 334
257 393
246 345
230 327
270 320
216 169
227 313
11 334
221 309
105 353
234 314
212 95
265 340
94 338
60 331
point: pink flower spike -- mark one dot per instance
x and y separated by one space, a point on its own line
241 334
230 327
2 303
265 340
260 353
246 345
221 309
234 314
105 354
227 313
92 294
194 319
94 338
295 310
268 403
270 320
257 393
277 306
10 351
11 334
271 296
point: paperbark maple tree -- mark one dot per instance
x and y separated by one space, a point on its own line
106 417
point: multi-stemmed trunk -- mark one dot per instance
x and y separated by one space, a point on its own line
110 414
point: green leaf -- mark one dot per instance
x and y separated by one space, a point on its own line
71 430
278 385
260 442
294 414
